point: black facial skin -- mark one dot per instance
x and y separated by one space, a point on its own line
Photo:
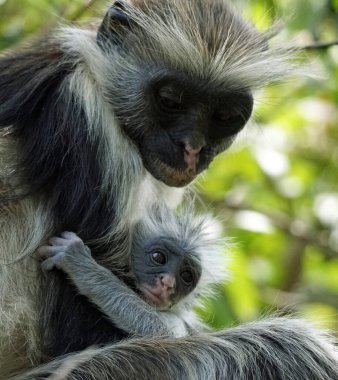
185 124
164 272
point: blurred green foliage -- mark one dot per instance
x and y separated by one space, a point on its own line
276 189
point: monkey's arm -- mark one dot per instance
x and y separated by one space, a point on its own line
124 307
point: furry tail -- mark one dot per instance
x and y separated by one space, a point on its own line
272 349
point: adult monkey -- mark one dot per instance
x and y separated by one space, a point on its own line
92 128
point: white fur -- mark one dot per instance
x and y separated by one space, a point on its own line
240 59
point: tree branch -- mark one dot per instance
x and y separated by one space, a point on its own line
318 46
290 301
286 224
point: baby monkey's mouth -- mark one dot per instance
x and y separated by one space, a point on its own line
155 297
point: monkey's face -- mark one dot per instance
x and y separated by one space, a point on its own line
180 124
164 273
175 90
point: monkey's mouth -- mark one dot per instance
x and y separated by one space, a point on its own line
154 298
174 177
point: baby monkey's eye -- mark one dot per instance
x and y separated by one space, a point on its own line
159 258
187 277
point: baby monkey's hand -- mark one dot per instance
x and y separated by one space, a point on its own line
62 252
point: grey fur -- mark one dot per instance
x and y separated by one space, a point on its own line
273 349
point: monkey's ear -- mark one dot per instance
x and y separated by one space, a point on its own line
115 25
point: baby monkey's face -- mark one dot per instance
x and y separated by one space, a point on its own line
164 272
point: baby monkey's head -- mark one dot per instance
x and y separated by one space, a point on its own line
175 257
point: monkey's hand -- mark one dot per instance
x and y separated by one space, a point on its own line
63 252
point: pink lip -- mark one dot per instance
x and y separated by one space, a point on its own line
150 295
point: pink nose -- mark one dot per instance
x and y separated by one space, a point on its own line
191 156
167 281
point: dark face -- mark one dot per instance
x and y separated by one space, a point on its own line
164 273
180 125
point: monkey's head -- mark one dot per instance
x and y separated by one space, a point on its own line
175 257
164 272
181 78
187 124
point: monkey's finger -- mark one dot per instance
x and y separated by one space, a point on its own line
46 251
57 241
70 235
48 265
53 262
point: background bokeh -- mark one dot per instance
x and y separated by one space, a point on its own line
276 189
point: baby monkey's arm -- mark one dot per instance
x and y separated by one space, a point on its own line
123 306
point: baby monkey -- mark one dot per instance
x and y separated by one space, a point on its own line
173 260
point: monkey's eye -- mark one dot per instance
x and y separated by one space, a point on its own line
221 116
187 277
169 100
158 258
169 104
